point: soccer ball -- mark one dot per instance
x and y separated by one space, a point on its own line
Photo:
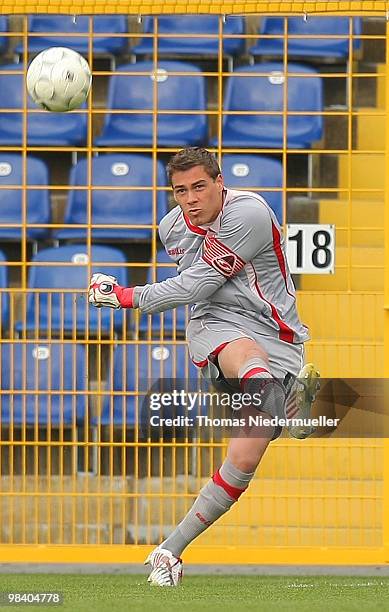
59 79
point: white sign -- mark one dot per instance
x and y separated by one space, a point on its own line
310 248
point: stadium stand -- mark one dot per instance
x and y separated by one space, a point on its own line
136 92
35 368
11 200
192 47
57 311
43 128
146 367
64 27
171 320
243 171
326 48
3 28
266 93
4 297
117 205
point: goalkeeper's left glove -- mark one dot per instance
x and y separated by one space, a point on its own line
104 291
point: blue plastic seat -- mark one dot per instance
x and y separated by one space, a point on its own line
175 93
36 368
309 47
242 171
60 311
172 320
43 128
63 28
4 297
11 200
3 28
140 368
115 206
266 93
192 24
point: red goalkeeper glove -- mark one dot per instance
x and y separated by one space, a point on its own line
104 291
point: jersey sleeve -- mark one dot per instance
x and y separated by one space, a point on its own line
240 238
194 284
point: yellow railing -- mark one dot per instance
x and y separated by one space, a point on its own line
86 490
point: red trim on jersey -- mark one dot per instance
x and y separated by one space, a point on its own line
286 333
212 241
233 492
200 364
218 349
194 228
215 352
280 256
221 257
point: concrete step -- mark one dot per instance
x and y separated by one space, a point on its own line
381 93
278 535
308 504
342 316
357 214
347 358
367 173
366 272
371 130
323 459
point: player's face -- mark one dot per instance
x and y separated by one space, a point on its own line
199 195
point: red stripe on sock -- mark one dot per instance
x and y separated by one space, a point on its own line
251 373
255 371
233 492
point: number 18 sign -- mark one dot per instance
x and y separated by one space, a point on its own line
310 248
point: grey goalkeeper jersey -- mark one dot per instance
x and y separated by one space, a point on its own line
234 269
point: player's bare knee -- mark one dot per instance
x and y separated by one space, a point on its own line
246 454
237 353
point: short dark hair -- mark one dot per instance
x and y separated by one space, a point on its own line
189 158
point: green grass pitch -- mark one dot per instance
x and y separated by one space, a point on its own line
112 593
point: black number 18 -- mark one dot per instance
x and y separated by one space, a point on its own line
321 239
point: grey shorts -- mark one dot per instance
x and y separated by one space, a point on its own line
207 335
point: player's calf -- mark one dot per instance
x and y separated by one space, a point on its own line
256 380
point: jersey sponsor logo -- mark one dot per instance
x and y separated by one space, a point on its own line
176 251
221 258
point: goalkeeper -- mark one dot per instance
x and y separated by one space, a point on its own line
244 332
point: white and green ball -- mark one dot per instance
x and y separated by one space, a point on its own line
59 79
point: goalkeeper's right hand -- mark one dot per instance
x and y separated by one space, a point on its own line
104 291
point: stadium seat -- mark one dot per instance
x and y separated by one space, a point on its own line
191 24
266 93
117 205
172 320
57 310
43 128
242 171
4 297
11 200
64 27
325 48
146 367
3 28
36 368
175 93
